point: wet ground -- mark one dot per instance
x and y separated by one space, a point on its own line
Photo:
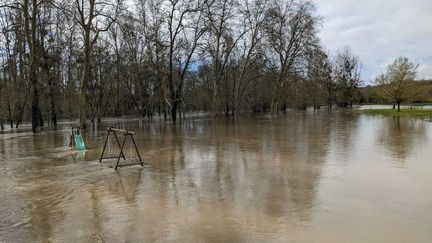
303 177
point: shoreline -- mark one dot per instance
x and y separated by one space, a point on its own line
405 112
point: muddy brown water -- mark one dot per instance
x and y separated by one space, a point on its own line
303 177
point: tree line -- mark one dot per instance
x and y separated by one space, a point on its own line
88 59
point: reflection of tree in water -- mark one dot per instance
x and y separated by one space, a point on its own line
256 167
108 209
2 146
44 182
64 208
344 126
48 190
252 173
126 183
301 145
401 136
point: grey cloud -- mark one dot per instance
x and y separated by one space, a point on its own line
379 31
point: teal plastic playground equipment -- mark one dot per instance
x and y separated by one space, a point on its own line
79 142
76 140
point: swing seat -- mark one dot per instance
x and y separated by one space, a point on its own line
79 141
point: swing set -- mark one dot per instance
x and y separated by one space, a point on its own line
112 133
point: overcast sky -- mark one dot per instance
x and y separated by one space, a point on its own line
378 31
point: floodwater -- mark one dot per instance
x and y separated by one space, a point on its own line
303 177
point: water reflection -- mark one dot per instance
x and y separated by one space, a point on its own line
253 179
126 183
401 135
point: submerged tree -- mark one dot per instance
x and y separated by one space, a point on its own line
94 17
250 51
290 29
30 13
184 33
347 76
319 82
224 33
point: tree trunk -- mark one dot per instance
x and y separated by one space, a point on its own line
84 80
236 111
52 100
1 111
174 111
214 99
227 109
19 119
41 118
398 106
35 100
179 110
273 105
8 105
82 103
30 31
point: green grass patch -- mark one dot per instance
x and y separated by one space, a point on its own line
415 112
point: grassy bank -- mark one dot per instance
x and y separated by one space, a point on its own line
393 112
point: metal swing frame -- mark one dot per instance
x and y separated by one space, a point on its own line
126 133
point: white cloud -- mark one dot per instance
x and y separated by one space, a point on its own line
379 31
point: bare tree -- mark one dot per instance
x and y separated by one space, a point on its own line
347 76
318 78
8 73
254 14
184 33
290 29
223 36
94 17
155 52
30 13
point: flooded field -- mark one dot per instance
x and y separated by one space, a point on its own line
304 177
